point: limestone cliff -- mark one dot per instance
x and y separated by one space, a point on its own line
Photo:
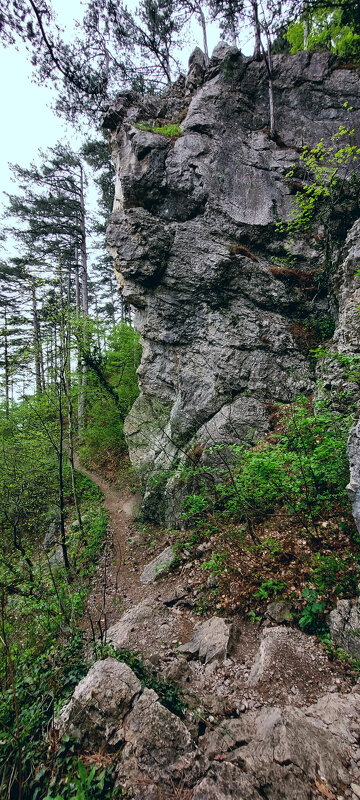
225 329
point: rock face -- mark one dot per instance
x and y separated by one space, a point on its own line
354 484
197 254
273 752
277 748
345 626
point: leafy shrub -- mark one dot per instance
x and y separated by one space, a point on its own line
335 573
270 588
217 564
304 470
311 619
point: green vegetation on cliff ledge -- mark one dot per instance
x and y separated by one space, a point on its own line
277 516
171 130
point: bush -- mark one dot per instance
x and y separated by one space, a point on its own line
303 470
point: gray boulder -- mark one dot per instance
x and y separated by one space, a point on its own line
211 641
344 626
94 716
279 611
158 566
158 744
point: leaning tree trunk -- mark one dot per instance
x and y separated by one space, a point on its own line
204 33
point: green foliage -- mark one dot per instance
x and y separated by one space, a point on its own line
311 619
40 685
335 573
254 617
41 658
350 364
195 505
322 329
326 31
77 783
173 131
217 564
270 588
269 546
109 399
330 178
305 471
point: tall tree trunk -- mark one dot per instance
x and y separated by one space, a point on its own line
306 32
84 272
84 310
77 283
61 484
257 30
204 33
268 63
167 67
271 90
61 384
66 376
36 340
233 35
6 362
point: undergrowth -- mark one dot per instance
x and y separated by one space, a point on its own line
42 651
277 516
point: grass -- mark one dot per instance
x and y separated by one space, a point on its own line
173 131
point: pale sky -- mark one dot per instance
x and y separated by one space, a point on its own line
28 122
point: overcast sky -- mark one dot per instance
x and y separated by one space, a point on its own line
28 122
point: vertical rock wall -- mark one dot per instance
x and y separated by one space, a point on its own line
224 326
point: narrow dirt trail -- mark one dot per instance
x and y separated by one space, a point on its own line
115 580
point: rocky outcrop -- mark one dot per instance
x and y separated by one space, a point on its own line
270 752
96 711
291 753
345 626
197 254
